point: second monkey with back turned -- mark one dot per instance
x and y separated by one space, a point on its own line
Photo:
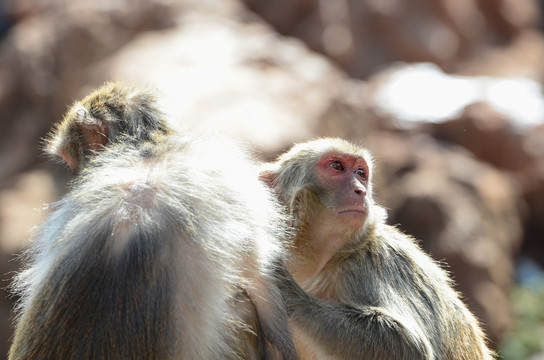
163 248
363 290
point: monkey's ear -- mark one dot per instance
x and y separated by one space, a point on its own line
268 173
76 136
94 131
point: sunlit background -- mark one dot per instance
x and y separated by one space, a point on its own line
447 94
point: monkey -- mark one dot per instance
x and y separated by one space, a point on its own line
164 247
355 287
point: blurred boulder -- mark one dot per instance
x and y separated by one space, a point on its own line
531 180
416 94
361 36
221 70
43 56
522 57
489 135
206 58
22 204
465 213
509 18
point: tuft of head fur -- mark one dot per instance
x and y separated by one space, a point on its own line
113 112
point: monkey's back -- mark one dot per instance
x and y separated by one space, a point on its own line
136 247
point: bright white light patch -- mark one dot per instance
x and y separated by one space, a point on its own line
422 92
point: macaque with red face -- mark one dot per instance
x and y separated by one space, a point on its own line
362 289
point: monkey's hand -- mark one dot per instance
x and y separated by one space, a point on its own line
353 332
293 295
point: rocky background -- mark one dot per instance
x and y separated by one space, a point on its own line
447 94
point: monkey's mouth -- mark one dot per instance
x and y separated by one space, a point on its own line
353 211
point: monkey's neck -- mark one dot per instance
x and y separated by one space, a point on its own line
316 244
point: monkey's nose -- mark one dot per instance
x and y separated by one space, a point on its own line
360 191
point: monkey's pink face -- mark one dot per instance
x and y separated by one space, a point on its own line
344 180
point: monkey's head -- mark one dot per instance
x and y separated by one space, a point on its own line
328 175
111 113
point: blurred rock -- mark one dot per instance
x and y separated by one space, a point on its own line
499 120
363 35
522 57
21 210
531 180
423 93
464 212
42 58
207 58
222 70
489 135
509 17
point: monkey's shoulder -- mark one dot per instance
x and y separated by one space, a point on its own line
386 247
394 242
386 241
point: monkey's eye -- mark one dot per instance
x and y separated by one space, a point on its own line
336 165
361 173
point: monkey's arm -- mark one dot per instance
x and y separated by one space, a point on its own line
351 332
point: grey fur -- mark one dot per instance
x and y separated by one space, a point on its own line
157 252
